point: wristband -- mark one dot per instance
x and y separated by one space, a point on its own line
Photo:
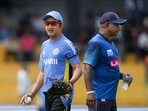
90 92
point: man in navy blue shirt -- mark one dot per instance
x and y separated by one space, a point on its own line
101 68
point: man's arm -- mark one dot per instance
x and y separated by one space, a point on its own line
88 77
90 99
38 84
77 73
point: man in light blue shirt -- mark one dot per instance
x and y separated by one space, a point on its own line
58 60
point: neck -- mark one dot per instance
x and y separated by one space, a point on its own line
106 35
55 37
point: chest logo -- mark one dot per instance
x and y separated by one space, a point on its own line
114 63
55 51
110 52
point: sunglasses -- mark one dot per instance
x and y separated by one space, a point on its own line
52 23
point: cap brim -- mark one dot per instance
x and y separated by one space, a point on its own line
46 16
119 21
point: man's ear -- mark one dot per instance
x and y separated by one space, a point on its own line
61 26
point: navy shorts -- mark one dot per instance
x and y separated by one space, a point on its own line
54 103
105 105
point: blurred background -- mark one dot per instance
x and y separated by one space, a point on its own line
22 32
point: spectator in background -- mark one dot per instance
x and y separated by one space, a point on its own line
12 48
4 31
38 27
82 41
87 30
27 44
24 23
143 46
23 80
134 9
130 35
90 23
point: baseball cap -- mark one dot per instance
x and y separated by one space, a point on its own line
54 14
112 17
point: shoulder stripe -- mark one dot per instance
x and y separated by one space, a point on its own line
71 46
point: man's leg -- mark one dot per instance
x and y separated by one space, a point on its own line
56 103
53 103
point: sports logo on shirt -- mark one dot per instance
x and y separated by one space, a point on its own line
114 63
109 52
55 51
50 61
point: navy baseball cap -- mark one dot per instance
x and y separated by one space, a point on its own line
112 17
54 14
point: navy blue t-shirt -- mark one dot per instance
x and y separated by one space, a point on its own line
102 55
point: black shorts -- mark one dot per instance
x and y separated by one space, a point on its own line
54 103
105 105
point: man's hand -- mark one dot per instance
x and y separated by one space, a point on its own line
70 87
24 98
90 100
60 87
127 78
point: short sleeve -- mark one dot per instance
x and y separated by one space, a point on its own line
92 53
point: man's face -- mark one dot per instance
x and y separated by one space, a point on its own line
114 29
52 27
